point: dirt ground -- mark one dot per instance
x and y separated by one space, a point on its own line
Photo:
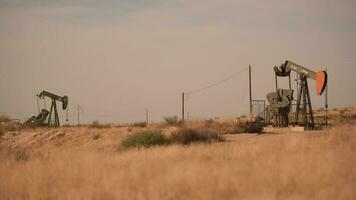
84 163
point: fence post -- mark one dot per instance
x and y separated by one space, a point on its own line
147 112
78 116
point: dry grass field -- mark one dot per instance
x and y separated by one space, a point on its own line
84 163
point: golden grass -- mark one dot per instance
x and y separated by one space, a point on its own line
313 165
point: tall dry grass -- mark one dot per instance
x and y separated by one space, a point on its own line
317 165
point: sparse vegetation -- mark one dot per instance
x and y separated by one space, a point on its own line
1 132
213 126
343 111
96 137
209 121
171 120
145 139
4 118
251 127
270 166
21 155
187 136
9 126
139 124
353 116
96 124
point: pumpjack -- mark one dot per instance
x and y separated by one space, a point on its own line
52 121
281 101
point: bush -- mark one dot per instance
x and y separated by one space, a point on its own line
145 139
22 155
187 136
1 132
4 118
353 116
209 122
96 124
171 120
139 124
96 136
251 127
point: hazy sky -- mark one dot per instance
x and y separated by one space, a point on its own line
117 57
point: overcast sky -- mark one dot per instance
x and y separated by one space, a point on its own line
117 57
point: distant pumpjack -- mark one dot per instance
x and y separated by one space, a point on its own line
53 109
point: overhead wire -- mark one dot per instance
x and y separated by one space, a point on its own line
187 94
217 83
113 115
101 115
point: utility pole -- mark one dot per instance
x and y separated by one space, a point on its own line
78 115
147 112
250 88
183 107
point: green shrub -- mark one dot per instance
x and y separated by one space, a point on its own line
187 136
144 139
171 120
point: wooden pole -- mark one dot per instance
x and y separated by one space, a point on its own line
147 112
78 116
250 88
183 107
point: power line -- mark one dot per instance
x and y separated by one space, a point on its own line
217 83
112 115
